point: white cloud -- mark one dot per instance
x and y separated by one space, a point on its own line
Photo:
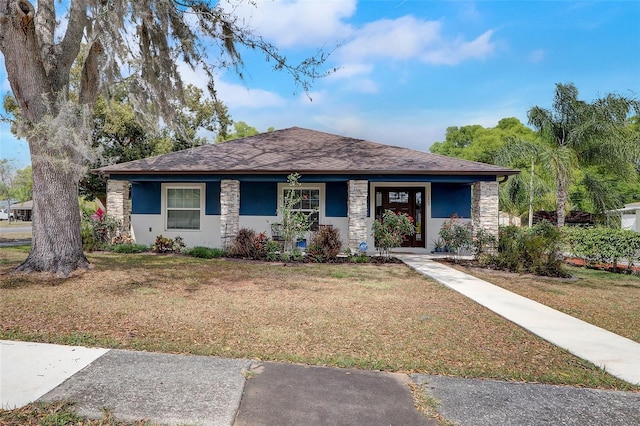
238 96
536 56
409 38
349 70
290 23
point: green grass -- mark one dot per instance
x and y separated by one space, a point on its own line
60 413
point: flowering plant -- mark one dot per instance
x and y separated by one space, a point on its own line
391 229
457 236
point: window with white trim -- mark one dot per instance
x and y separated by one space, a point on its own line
183 207
309 204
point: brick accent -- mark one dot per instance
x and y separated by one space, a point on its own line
118 202
358 194
484 209
229 211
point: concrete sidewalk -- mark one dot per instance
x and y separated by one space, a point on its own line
198 390
617 355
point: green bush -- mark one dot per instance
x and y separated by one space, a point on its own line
603 245
484 243
129 248
534 250
204 252
390 230
325 244
456 236
97 228
272 250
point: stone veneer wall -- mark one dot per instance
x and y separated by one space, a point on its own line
358 192
484 208
229 211
118 202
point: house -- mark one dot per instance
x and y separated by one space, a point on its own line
22 211
629 216
206 194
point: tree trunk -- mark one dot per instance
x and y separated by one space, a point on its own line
56 245
562 202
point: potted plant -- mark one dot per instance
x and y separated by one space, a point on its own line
438 245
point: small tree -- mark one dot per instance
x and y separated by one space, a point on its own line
390 231
295 224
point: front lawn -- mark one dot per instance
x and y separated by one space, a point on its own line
366 316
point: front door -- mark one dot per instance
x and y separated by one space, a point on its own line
404 200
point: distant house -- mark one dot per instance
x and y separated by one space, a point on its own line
206 194
629 215
22 211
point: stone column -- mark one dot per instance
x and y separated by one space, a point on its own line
484 209
358 191
229 211
118 202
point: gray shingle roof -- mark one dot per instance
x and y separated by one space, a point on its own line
305 151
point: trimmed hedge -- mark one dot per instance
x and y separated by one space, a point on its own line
603 245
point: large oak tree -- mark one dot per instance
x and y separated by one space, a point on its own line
138 43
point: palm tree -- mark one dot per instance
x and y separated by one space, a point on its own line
577 134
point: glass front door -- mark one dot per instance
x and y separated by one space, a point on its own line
404 200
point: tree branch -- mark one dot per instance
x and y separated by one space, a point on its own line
90 78
45 20
71 43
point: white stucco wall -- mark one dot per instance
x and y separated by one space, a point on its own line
146 227
631 221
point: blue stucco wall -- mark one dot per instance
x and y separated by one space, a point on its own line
259 193
258 198
146 197
337 199
450 198
212 199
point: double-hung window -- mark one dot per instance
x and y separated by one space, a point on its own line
309 204
183 207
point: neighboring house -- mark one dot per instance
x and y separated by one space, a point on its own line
629 216
22 211
206 194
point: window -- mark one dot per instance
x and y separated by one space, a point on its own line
309 204
184 206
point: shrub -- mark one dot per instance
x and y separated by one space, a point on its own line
325 244
129 248
243 244
122 239
204 252
167 245
456 236
97 229
389 231
272 249
484 243
260 245
534 250
249 245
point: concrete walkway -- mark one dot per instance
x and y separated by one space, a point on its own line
617 355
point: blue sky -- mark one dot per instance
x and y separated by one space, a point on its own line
408 69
